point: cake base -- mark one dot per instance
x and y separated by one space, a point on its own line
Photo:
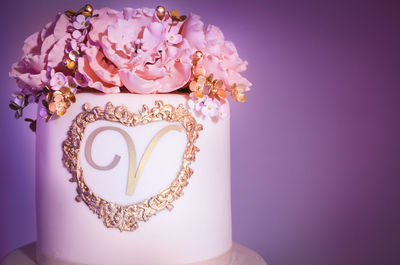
26 256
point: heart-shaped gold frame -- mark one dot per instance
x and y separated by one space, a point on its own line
126 217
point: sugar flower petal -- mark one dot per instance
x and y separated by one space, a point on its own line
136 84
193 31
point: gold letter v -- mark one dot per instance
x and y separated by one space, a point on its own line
133 176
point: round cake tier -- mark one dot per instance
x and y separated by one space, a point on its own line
240 256
177 210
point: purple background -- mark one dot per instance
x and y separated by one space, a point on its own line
315 149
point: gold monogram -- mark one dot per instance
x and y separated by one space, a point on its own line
126 217
133 177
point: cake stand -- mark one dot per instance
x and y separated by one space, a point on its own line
26 256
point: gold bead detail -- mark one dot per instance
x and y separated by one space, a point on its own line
174 13
160 11
70 64
197 57
89 8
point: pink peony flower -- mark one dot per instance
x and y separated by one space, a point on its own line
137 51
221 59
41 50
132 48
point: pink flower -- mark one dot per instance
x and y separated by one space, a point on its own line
138 55
57 81
80 22
77 34
210 107
42 49
173 35
221 59
132 48
196 103
223 111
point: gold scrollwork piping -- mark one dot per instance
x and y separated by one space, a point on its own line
126 217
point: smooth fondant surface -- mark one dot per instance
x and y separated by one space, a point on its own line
197 229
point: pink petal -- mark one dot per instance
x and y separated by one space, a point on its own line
100 23
56 54
31 44
76 34
60 29
153 36
31 80
48 42
213 65
34 63
123 33
105 71
80 19
48 30
234 77
151 72
178 77
119 58
136 84
193 31
93 80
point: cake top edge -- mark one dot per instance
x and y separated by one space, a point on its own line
142 51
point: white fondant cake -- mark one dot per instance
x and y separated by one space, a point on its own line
197 229
130 175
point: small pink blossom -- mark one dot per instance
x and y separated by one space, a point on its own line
57 81
79 36
80 22
223 111
173 35
76 34
196 103
210 107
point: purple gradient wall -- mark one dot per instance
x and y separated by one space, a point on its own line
315 150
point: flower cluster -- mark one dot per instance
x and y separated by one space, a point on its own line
135 50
